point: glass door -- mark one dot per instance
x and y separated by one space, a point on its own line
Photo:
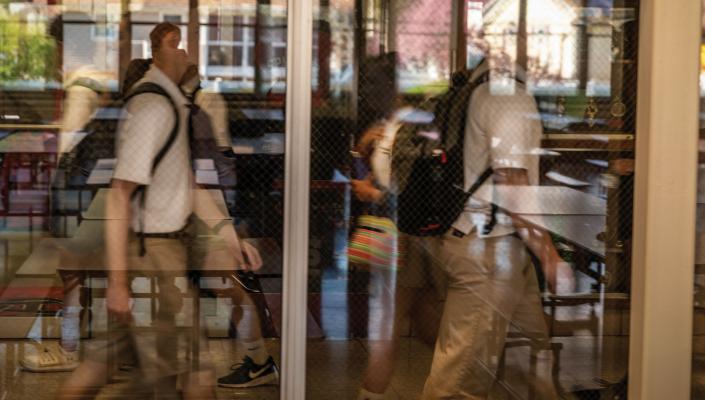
198 272
523 290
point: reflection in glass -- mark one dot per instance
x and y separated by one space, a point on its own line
73 124
553 97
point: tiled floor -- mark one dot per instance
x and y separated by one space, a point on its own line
335 369
335 366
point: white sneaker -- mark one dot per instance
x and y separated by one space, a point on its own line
51 359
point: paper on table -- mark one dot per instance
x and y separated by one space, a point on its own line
207 177
566 180
204 163
100 177
105 163
549 200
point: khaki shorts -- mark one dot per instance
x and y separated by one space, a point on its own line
164 348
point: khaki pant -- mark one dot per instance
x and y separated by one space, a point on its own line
163 349
491 286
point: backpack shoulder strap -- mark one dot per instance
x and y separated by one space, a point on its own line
150 87
456 110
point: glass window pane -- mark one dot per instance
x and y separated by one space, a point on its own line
191 302
419 294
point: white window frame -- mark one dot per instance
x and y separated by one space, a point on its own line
296 199
661 325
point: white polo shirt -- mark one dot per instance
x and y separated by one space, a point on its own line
147 122
503 130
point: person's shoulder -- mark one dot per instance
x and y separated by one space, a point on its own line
149 104
88 77
148 99
147 91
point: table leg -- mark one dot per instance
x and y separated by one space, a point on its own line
152 303
79 215
196 315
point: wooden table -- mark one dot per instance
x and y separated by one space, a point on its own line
576 217
96 211
543 200
44 260
102 173
29 142
86 250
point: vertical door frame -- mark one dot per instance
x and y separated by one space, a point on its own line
665 200
296 198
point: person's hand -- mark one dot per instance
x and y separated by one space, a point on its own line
253 260
560 277
365 191
118 302
366 143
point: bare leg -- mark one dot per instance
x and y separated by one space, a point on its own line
383 353
70 324
242 302
256 367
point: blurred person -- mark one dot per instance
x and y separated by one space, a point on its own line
212 103
210 139
85 89
147 227
491 283
399 288
394 287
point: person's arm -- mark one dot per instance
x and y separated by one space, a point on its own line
364 188
79 105
117 227
135 152
217 109
538 240
207 210
514 134
366 144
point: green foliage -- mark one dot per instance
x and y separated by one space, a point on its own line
26 53
432 89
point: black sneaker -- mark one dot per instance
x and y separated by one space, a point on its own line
248 374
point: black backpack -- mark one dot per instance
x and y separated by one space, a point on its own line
427 163
75 166
203 145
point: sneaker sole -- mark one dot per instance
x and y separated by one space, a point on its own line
262 380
